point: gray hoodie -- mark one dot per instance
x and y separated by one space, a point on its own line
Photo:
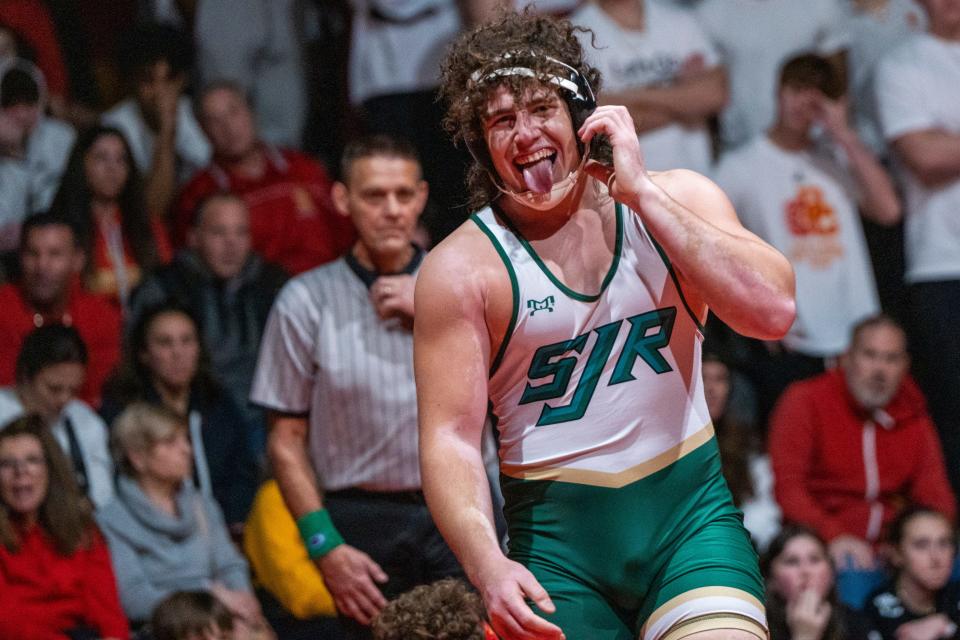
155 554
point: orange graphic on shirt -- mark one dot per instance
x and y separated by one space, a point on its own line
809 213
813 223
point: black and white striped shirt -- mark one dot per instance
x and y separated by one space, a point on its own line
326 354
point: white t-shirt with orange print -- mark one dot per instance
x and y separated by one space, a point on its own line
804 204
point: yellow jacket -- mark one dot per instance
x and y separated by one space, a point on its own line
279 560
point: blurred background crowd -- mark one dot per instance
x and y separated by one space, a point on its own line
166 166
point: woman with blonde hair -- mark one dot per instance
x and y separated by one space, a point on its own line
164 535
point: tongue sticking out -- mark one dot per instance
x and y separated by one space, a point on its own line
539 176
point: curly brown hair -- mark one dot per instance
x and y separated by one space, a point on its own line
530 40
444 610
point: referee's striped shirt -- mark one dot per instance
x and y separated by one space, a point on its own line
326 354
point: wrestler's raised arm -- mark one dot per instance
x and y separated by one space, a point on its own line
744 280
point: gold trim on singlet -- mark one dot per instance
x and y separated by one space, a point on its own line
614 480
696 594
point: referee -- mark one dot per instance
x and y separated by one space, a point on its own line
335 374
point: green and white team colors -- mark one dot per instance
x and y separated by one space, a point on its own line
610 470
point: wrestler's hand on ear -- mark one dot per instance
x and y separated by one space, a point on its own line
629 173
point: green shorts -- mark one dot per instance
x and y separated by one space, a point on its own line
640 559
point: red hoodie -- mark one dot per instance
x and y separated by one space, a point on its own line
840 470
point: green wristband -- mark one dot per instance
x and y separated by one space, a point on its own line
318 533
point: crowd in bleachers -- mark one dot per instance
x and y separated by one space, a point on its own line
169 169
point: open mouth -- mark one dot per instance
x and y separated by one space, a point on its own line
537 169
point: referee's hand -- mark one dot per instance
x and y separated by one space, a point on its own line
392 296
351 577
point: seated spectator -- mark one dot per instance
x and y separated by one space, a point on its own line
292 219
101 193
260 46
281 565
802 601
165 363
163 535
804 194
876 27
658 62
48 292
29 32
228 288
33 148
191 615
50 370
745 468
55 574
755 39
166 142
918 89
920 602
446 609
851 446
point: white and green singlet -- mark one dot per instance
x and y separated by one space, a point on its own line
609 466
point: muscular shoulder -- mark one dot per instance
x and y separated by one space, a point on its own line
696 192
465 269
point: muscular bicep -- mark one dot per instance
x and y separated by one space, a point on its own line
451 354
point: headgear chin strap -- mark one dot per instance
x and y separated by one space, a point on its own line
573 88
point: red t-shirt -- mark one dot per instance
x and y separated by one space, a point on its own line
43 593
292 219
95 318
104 277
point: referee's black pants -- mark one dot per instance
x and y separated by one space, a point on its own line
397 531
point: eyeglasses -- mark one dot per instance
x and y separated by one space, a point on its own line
30 464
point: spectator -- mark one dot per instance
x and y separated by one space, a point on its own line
343 422
801 194
755 39
167 144
32 28
50 371
802 601
876 27
165 363
920 602
394 71
746 470
55 573
281 565
446 609
33 148
918 89
101 193
191 615
292 220
48 293
258 44
163 535
850 446
658 62
228 288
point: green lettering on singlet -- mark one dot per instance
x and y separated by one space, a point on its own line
638 343
561 370
646 346
606 335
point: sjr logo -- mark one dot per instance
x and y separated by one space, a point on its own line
640 343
